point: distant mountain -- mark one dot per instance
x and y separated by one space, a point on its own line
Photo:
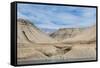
65 33
48 31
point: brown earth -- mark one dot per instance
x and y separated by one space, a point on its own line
34 46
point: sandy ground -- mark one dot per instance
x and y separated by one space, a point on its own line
33 54
34 46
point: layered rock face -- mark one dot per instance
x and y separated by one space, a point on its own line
28 32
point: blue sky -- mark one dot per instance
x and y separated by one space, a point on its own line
55 17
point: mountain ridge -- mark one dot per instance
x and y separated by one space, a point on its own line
29 31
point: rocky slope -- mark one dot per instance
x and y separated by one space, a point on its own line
64 33
28 32
87 36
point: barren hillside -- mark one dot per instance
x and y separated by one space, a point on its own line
28 32
34 46
87 36
65 33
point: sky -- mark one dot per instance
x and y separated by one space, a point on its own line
55 17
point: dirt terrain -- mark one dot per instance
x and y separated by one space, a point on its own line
35 46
